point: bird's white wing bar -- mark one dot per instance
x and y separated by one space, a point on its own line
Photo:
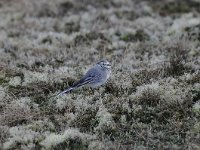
66 91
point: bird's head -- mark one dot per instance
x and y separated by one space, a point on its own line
104 64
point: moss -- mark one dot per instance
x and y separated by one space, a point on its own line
72 144
21 90
71 138
173 7
65 7
21 137
129 15
176 7
6 74
35 66
47 40
177 60
151 101
4 134
193 32
196 108
196 127
19 115
140 35
102 4
196 94
66 83
46 11
41 126
95 35
71 27
113 89
86 121
145 76
80 39
106 124
149 98
15 81
88 38
3 80
35 89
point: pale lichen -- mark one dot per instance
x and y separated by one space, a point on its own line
69 134
105 120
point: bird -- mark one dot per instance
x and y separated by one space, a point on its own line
94 77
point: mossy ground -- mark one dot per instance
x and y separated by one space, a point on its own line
151 101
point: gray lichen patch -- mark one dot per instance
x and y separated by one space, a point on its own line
151 100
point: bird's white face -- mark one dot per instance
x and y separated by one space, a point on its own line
104 64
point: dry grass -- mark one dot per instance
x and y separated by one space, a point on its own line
14 115
151 101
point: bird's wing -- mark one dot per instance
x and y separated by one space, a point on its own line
85 80
81 82
89 77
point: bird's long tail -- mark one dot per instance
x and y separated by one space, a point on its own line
66 91
78 84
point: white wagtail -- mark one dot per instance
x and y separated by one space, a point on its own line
94 77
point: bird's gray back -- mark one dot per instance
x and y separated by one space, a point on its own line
99 74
